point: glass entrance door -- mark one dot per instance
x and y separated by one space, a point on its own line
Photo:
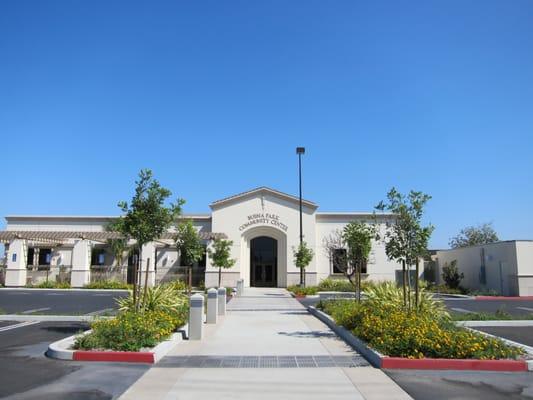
263 262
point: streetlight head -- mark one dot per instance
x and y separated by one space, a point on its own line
300 150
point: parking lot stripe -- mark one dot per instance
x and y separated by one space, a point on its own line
26 323
525 308
35 310
461 310
98 312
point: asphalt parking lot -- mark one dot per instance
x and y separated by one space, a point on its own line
26 373
58 302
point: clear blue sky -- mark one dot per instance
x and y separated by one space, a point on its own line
215 95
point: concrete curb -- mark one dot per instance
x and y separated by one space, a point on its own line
515 298
51 318
378 360
495 323
371 355
61 350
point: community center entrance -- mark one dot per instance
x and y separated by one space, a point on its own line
263 262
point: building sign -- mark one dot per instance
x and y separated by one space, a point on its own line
263 219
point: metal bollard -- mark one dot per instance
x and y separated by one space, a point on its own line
196 317
212 306
222 301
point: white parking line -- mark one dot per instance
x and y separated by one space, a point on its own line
461 310
103 295
26 323
35 310
525 308
54 294
98 312
17 294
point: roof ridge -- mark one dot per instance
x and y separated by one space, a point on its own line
257 189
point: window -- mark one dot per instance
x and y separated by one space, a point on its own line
45 256
338 261
31 253
98 257
202 261
363 268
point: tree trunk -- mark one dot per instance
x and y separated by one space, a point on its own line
409 287
219 276
146 281
135 261
416 284
190 279
404 284
359 283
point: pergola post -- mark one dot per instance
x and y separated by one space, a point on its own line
16 270
81 264
148 262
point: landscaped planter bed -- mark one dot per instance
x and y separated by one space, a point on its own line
63 350
379 360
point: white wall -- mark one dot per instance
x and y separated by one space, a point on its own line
379 267
229 218
500 265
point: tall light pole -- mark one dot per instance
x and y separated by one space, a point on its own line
300 151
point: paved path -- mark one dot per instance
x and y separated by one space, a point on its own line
268 346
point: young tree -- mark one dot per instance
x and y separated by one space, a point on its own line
118 248
472 235
220 256
358 238
335 248
189 246
303 256
146 217
406 241
451 275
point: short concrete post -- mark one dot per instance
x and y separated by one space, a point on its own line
196 317
212 306
222 301
240 287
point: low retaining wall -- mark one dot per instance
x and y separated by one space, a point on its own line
62 350
379 360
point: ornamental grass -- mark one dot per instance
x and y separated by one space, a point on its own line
391 329
164 310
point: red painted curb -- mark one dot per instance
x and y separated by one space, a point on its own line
504 298
464 364
115 356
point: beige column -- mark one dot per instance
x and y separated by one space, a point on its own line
16 263
148 262
81 264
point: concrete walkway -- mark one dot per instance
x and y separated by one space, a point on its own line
268 346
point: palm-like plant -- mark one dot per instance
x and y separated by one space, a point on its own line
387 294
158 298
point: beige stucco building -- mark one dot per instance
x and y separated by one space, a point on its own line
262 223
504 267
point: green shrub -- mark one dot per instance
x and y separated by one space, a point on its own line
163 298
50 285
387 294
335 285
446 289
178 285
108 284
386 326
131 331
302 291
499 315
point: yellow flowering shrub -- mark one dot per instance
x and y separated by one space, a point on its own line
132 331
396 332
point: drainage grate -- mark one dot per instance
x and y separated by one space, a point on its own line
262 361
